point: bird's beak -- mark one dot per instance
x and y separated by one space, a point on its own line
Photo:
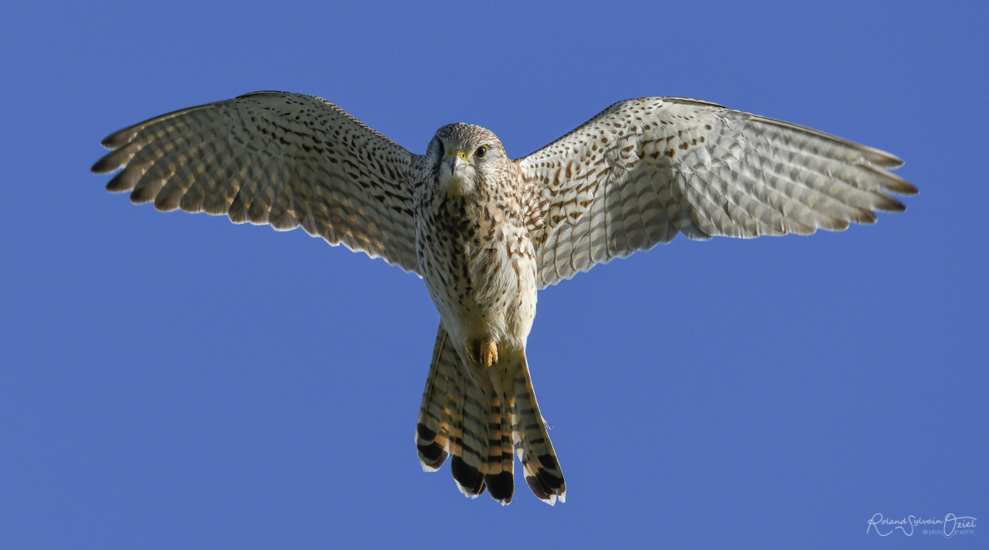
457 160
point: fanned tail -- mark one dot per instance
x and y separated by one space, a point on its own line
479 415
462 415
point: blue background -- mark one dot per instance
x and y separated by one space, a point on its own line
175 381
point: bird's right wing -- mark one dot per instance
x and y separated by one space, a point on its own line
274 158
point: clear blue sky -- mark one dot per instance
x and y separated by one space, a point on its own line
175 381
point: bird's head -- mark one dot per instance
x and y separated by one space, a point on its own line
467 157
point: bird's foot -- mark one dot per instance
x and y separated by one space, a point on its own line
484 350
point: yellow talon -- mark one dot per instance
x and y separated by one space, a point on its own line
484 351
489 353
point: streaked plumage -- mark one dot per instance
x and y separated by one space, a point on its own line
486 232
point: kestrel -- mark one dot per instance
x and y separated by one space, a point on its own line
486 232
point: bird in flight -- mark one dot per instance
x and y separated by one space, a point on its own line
486 232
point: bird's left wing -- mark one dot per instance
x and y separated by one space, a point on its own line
274 158
644 170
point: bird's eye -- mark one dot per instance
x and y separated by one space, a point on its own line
480 152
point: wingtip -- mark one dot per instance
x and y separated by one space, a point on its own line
102 166
905 188
886 160
121 137
891 182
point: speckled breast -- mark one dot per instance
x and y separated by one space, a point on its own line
479 268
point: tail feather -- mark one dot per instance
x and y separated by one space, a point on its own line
533 445
436 425
471 448
479 416
501 478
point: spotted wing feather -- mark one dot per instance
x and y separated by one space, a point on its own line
275 158
644 170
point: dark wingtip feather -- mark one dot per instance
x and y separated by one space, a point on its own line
904 187
124 181
892 182
111 141
122 136
103 166
893 205
882 158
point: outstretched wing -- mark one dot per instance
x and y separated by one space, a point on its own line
274 158
646 169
